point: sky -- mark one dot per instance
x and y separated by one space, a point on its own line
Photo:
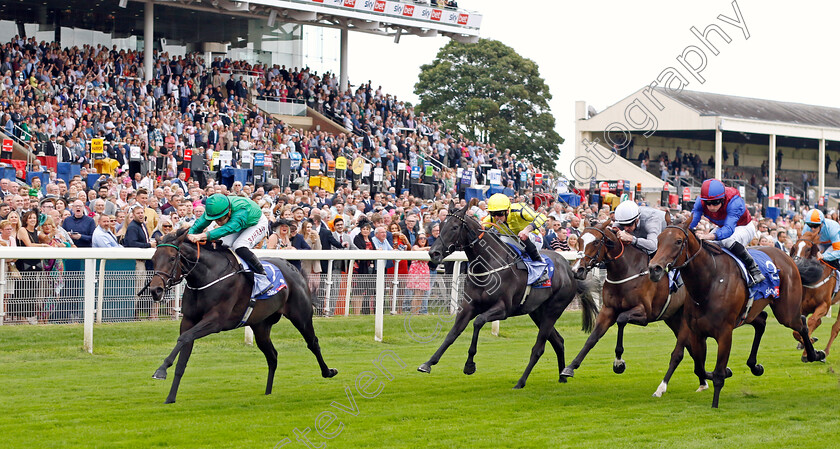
601 51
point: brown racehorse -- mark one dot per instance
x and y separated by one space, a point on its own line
629 296
720 299
818 282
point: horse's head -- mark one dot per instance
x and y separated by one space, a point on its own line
806 247
455 232
675 242
167 264
594 246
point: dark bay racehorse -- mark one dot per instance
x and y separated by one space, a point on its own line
494 289
719 299
217 298
629 296
818 282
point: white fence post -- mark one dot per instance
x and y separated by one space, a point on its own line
349 288
101 291
176 299
394 284
249 336
90 296
380 300
328 293
456 271
2 290
495 328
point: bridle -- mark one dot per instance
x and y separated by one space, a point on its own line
171 279
683 247
473 239
594 261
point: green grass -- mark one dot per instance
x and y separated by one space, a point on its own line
55 395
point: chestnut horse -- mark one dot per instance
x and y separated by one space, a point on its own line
818 282
629 296
720 299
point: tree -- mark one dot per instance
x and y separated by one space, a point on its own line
489 93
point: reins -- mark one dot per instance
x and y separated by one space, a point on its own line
683 247
170 279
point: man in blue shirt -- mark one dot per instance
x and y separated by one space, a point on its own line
829 231
79 225
102 235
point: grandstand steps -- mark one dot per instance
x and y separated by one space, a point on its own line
620 168
305 123
325 123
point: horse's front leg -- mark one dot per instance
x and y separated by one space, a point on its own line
497 312
636 315
461 320
208 325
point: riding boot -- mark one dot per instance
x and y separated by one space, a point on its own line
531 249
740 252
250 259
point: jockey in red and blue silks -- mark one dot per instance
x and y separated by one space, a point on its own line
724 207
829 231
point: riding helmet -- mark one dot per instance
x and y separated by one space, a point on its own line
814 217
498 202
626 213
712 189
218 206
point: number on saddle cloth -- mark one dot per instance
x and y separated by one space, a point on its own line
274 277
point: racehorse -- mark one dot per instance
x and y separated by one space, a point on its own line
494 289
629 296
719 299
818 282
218 298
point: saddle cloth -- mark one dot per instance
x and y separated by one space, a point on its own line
268 286
536 268
770 287
837 282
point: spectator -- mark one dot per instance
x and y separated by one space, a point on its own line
363 291
418 279
103 237
311 268
80 225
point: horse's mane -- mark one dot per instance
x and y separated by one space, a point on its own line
175 238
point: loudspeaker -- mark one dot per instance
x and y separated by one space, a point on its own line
424 191
197 162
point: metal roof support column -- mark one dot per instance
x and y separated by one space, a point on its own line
771 167
718 151
343 57
821 169
148 39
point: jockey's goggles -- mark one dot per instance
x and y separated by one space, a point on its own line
814 225
498 213
716 202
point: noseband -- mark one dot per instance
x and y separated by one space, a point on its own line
683 247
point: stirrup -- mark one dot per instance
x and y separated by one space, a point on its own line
754 280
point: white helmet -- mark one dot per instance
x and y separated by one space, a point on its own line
626 213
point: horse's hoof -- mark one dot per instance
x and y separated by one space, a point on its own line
424 368
757 370
469 368
800 347
820 356
805 359
159 374
330 373
619 366
562 380
567 372
519 386
703 387
663 387
169 401
728 373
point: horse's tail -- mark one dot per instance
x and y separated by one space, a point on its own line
587 304
810 271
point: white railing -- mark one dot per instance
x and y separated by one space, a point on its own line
280 107
93 287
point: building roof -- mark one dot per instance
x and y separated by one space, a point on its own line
718 105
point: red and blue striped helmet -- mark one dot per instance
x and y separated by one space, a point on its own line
712 189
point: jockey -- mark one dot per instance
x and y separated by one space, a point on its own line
724 207
241 225
829 231
639 226
518 218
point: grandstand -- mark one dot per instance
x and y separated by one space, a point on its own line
785 145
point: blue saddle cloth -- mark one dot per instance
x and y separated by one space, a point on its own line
769 288
536 268
275 276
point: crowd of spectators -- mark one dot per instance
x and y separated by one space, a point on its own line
55 100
